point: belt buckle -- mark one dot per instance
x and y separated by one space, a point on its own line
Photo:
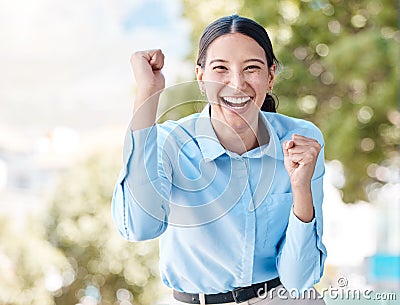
236 295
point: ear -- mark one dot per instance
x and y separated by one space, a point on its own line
271 76
199 75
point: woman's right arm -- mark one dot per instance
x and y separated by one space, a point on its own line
150 82
140 199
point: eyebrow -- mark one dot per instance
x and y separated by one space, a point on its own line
247 60
217 60
255 59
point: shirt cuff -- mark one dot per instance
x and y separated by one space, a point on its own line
301 237
300 227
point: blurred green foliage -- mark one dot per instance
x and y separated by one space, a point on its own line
103 268
74 254
179 101
339 69
26 260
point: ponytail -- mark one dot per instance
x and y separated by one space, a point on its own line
270 104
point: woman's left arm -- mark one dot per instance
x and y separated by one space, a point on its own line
302 254
300 157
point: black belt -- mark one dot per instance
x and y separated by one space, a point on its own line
237 295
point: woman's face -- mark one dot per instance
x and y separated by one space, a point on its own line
236 79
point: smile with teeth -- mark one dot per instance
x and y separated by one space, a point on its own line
236 102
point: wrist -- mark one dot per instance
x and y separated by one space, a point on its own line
301 188
303 203
144 110
144 94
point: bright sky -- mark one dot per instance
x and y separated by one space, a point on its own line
66 63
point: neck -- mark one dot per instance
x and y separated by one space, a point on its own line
240 140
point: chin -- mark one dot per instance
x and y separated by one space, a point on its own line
239 120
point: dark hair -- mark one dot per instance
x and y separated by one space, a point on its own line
242 25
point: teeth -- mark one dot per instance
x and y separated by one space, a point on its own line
236 100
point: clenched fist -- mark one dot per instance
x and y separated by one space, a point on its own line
147 67
150 82
300 157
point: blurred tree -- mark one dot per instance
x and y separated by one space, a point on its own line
179 101
27 263
339 70
103 268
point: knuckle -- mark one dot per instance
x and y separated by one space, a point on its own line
158 53
136 55
316 148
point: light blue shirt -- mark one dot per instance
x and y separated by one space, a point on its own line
224 220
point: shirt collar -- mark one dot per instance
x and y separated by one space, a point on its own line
273 149
209 144
211 148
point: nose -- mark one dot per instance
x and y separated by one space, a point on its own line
237 81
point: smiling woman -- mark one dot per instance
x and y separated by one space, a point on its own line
233 192
237 81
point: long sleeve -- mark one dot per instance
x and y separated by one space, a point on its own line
302 254
140 199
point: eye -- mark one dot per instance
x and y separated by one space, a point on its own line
252 68
220 68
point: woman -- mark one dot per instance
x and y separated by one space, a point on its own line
234 193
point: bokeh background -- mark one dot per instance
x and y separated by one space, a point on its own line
66 92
